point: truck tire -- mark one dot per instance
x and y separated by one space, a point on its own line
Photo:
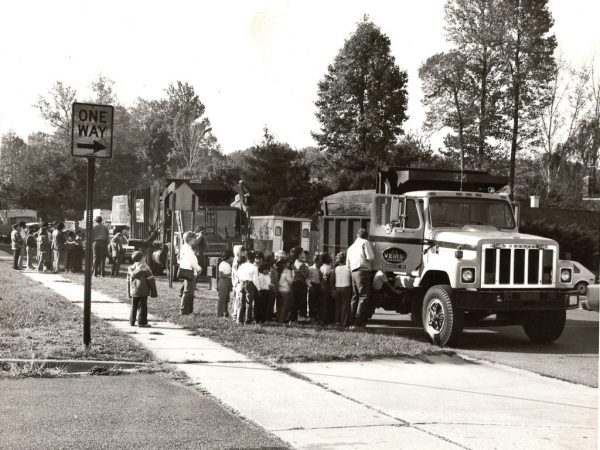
544 326
581 287
442 321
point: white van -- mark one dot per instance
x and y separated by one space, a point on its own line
581 277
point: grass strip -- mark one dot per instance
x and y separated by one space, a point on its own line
37 323
272 343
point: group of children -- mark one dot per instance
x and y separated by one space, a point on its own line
284 287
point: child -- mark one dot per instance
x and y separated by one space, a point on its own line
264 291
273 293
284 290
224 285
342 290
31 244
314 288
43 248
326 304
140 284
70 250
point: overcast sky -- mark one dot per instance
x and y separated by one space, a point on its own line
253 63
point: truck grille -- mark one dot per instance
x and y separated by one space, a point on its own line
515 266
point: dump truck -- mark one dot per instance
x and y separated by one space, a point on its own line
452 242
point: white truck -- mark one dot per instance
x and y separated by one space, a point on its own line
8 217
454 245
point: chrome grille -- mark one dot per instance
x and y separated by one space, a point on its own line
514 266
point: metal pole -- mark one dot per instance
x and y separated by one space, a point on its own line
87 288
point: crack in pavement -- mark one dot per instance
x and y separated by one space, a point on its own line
507 425
442 388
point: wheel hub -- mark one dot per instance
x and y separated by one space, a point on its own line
435 315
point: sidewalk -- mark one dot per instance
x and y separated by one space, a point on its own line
442 403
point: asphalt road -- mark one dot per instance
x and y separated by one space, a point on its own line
128 411
573 357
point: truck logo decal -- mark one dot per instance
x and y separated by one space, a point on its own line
394 255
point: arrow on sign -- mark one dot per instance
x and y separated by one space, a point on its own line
95 147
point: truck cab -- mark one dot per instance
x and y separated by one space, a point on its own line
454 244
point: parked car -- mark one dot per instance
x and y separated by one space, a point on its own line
593 298
582 277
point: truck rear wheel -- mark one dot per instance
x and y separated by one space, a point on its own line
442 321
544 326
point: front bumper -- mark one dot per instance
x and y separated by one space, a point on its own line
516 300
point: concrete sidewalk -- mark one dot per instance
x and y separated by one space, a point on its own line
443 403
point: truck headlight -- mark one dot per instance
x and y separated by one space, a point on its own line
467 275
565 275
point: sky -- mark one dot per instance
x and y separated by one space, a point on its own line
252 63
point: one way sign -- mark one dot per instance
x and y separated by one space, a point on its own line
92 130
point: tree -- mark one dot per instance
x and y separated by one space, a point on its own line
527 51
362 101
56 109
449 101
191 134
474 27
12 151
277 180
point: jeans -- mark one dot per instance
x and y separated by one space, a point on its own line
31 254
342 305
223 288
99 257
187 298
16 257
314 296
245 312
361 287
298 300
283 306
57 257
43 258
139 305
116 266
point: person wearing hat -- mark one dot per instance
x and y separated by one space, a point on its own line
100 245
140 285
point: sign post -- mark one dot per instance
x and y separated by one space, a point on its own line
91 137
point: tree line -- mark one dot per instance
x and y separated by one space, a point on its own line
500 97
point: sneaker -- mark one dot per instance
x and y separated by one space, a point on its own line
146 325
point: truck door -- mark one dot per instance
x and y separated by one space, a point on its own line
305 238
396 233
277 235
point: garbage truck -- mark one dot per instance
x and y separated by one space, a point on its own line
451 242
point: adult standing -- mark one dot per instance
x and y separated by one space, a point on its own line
359 259
188 260
100 238
16 244
58 247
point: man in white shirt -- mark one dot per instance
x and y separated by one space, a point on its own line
247 275
359 258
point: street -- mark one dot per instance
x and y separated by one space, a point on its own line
573 357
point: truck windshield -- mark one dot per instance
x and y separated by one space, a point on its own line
458 212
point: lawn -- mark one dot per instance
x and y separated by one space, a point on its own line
271 343
36 323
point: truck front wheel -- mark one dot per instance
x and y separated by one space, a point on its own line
442 321
544 326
